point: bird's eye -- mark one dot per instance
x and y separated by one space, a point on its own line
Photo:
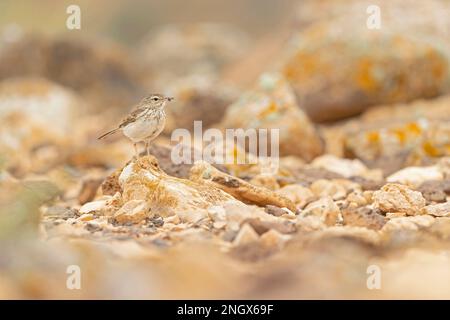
155 99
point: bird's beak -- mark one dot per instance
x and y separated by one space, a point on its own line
169 98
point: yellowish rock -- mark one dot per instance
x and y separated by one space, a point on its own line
167 195
133 211
86 217
272 105
398 198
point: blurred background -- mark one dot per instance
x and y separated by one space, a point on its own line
352 103
128 22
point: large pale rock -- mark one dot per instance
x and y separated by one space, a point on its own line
272 105
398 198
196 98
399 136
415 176
405 59
167 195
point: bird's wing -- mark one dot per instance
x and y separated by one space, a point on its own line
132 116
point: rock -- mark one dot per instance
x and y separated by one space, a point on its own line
272 105
337 188
105 206
444 167
346 167
309 223
101 72
363 217
262 226
325 208
368 185
197 99
435 191
438 210
60 212
392 215
298 194
356 234
357 199
308 175
275 211
167 195
375 67
133 211
441 227
398 198
86 217
273 240
246 235
111 185
266 181
93 207
217 213
237 214
408 223
415 176
163 155
399 136
205 174
35 122
89 189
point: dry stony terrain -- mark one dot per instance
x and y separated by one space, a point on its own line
363 177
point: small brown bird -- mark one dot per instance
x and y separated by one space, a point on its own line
145 122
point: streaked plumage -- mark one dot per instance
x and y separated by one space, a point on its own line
145 122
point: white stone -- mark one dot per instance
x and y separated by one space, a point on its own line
415 176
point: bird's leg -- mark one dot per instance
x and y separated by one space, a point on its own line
147 149
136 151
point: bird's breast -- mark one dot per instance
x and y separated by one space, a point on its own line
144 128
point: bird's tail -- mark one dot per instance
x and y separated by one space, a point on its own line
108 133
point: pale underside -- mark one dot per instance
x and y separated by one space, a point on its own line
145 128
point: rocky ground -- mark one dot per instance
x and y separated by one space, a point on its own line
363 179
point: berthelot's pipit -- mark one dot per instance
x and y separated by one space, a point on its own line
145 122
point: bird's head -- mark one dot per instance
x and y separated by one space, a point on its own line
156 101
